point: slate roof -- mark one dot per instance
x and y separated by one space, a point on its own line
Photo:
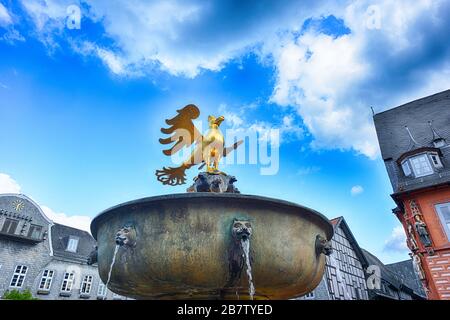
399 282
394 139
405 270
60 238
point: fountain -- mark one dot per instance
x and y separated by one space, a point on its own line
212 242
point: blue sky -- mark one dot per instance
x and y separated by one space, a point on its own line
80 109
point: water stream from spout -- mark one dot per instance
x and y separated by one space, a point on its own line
246 248
339 277
112 265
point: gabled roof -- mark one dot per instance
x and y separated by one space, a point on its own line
340 222
60 239
335 221
34 205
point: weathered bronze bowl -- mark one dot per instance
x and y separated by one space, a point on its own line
180 246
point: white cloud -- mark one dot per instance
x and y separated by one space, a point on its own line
8 184
314 73
276 132
6 21
233 119
331 80
5 17
334 80
79 222
396 241
355 190
180 37
47 15
49 18
111 60
11 36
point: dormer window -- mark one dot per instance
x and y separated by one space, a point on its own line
72 244
438 143
420 162
436 160
421 166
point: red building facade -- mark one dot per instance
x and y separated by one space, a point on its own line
415 145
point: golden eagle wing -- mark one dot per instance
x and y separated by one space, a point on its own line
182 130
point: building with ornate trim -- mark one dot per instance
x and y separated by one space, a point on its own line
414 140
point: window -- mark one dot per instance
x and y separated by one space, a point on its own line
72 244
101 291
421 165
46 280
439 142
10 226
18 276
86 285
35 231
406 168
67 283
436 160
444 215
309 296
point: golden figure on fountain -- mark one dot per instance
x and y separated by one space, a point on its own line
209 148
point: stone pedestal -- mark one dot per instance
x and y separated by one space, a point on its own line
214 182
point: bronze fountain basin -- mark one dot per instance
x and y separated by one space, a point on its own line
178 247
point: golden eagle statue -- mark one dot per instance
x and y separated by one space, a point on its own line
208 149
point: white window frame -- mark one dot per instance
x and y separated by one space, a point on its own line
67 283
444 222
436 160
46 280
72 244
102 290
406 167
86 285
18 277
423 156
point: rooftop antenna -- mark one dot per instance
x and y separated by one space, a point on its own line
373 112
